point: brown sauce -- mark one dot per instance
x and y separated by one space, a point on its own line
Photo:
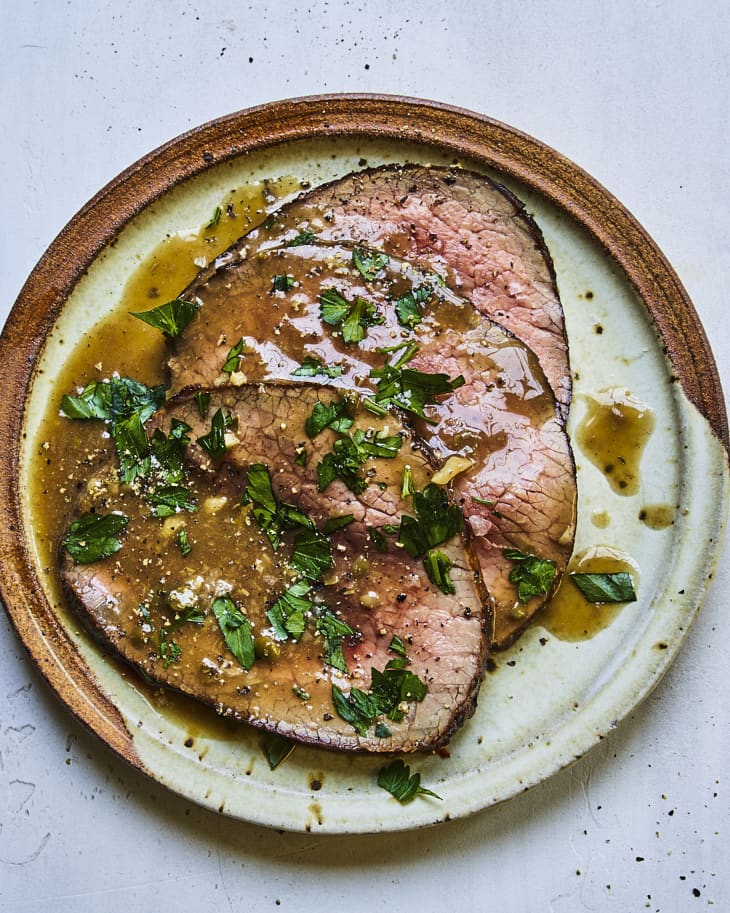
71 450
657 516
613 435
568 615
173 265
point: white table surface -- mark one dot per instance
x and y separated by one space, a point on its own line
638 94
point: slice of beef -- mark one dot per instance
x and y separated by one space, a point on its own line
154 605
519 490
471 230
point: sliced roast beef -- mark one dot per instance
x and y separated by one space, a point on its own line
475 233
276 590
349 316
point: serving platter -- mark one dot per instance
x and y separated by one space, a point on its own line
631 328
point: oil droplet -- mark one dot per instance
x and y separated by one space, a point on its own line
657 516
569 616
613 435
600 519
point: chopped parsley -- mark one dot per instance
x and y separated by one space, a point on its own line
202 401
354 317
436 521
125 405
369 262
273 518
214 442
171 318
389 690
288 614
332 524
407 487
437 567
282 283
343 462
94 536
397 779
410 389
169 650
350 452
328 415
312 555
378 539
304 237
533 575
183 543
599 588
334 631
408 307
276 748
167 500
311 367
111 400
215 219
164 489
233 359
236 629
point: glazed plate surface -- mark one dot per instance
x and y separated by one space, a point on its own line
631 328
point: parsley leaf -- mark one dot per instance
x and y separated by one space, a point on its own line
353 317
202 401
343 462
125 405
533 575
304 237
436 521
312 555
333 307
397 779
94 536
183 543
167 500
332 524
169 650
350 452
328 415
369 262
358 708
287 614
171 318
410 389
437 567
236 629
312 366
408 306
273 518
389 690
334 630
94 402
132 445
214 442
168 452
215 219
276 748
599 588
394 686
282 283
233 359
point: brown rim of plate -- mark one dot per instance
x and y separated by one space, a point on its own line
400 119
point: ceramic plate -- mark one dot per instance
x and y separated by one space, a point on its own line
631 328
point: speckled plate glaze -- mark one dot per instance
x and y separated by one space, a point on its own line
548 701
